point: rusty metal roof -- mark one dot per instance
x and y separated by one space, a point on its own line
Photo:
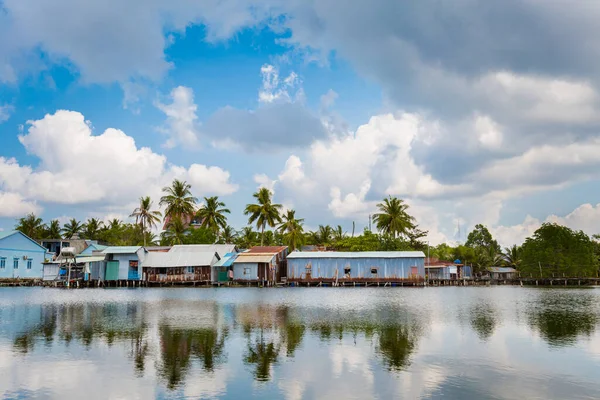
253 258
267 249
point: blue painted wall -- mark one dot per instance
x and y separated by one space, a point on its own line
399 268
18 246
238 272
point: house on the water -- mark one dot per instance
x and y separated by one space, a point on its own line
375 266
92 248
223 269
179 266
502 273
261 264
55 246
436 269
124 263
20 256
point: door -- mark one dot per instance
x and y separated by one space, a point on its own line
262 271
414 272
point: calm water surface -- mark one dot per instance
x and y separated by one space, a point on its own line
455 343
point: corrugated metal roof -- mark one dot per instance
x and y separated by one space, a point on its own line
220 249
121 249
6 234
253 258
502 269
227 260
356 254
267 249
179 259
89 258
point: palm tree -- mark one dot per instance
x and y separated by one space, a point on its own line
338 234
178 199
72 228
145 216
264 213
52 231
30 225
512 256
91 229
176 231
392 218
289 221
228 235
247 238
324 234
212 214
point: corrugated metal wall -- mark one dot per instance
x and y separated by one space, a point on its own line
325 268
251 275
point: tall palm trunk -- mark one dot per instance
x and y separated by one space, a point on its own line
144 233
262 234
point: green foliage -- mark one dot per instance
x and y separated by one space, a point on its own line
393 218
481 237
370 241
176 232
212 214
72 228
264 212
199 236
144 216
556 251
52 231
292 230
247 238
31 225
91 229
178 199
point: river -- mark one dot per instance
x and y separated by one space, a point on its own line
296 343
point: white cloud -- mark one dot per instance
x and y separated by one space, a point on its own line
5 111
264 181
275 90
78 167
13 205
488 132
352 204
181 125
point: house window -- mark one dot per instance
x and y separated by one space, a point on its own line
308 268
190 270
246 271
29 263
15 263
2 263
373 271
347 271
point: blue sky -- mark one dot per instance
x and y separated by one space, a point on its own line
474 112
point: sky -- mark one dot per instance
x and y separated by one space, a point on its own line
471 111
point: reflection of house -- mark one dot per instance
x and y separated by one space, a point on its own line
260 264
437 269
124 262
20 256
501 273
179 266
368 265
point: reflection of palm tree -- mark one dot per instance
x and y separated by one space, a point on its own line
263 355
293 337
175 349
396 346
483 320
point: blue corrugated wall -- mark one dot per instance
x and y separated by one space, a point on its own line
399 268
238 272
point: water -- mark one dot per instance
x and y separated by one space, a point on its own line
455 343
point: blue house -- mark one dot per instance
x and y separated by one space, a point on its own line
20 256
124 262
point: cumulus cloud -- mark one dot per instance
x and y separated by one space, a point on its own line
181 125
78 167
14 205
5 112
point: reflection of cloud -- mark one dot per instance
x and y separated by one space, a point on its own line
354 358
292 389
421 382
204 385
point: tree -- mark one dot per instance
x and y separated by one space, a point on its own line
325 233
31 225
512 256
212 214
228 235
52 231
145 216
481 237
292 230
556 250
338 234
264 212
179 200
176 231
247 238
199 236
72 228
91 229
393 218
414 237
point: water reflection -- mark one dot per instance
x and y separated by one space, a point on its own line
179 346
561 318
408 346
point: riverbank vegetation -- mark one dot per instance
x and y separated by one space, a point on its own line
552 251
